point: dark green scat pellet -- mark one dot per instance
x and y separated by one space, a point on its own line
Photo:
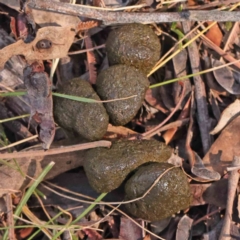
135 45
89 120
106 168
121 81
170 195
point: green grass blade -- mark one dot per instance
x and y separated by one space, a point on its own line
32 188
191 75
12 94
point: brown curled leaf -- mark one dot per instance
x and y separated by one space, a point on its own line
38 87
60 37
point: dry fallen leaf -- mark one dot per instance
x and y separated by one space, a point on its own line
221 153
209 77
216 193
214 34
227 115
61 39
129 230
201 171
225 78
184 228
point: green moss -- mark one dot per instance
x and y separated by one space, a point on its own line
106 169
89 120
170 195
121 81
134 45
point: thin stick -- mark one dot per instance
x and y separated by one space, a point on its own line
175 124
110 17
86 50
54 151
205 217
10 220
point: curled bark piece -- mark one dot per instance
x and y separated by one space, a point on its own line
38 87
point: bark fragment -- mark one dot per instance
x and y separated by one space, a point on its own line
38 87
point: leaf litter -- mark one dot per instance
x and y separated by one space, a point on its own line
197 117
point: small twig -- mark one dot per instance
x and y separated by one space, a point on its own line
175 124
191 156
232 186
54 151
110 17
86 50
10 221
205 217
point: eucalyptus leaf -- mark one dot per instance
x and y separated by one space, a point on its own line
225 78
